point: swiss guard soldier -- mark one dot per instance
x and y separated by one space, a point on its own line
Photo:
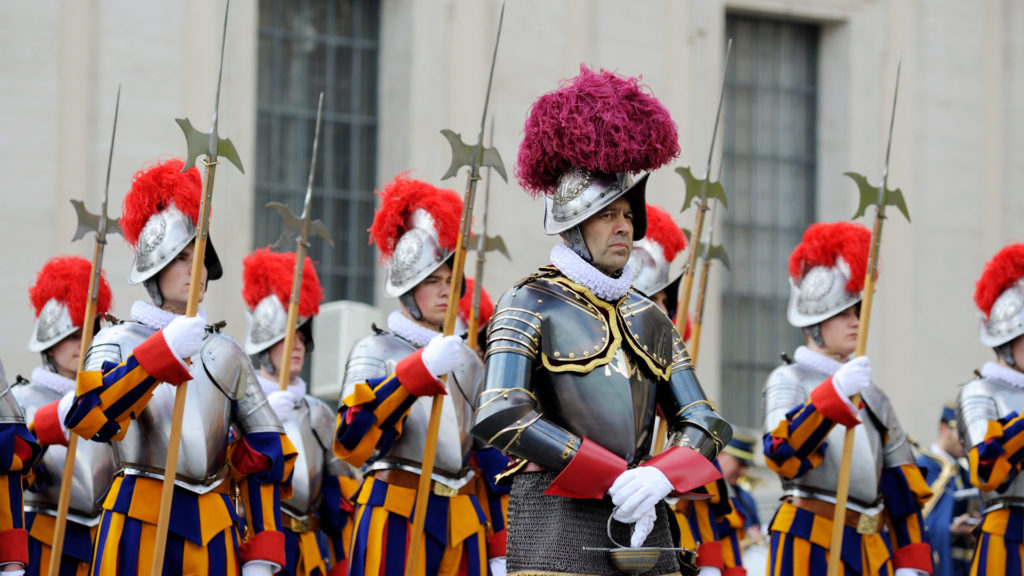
18 453
950 522
806 399
321 483
734 461
59 296
126 396
384 412
989 413
651 262
578 360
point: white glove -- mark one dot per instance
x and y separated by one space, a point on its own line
184 336
709 571
636 491
643 528
909 572
853 377
441 354
497 566
283 403
63 407
259 568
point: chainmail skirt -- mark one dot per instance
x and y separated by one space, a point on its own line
546 534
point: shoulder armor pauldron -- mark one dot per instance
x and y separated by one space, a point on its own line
113 343
373 357
651 334
224 362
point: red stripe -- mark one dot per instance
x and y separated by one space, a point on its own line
14 546
831 405
47 426
917 555
156 358
589 474
267 545
413 375
685 468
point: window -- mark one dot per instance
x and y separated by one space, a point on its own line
306 46
770 164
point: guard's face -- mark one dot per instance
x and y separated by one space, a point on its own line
298 356
609 236
65 354
732 467
175 278
661 301
840 331
431 295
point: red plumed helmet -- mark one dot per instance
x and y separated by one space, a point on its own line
1004 270
59 297
827 271
824 243
597 121
466 304
416 229
154 189
267 291
265 272
663 231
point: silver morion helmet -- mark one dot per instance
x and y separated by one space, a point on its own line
166 234
582 193
1006 318
820 295
999 296
59 296
417 254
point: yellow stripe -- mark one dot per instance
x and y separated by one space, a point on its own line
362 394
375 544
6 514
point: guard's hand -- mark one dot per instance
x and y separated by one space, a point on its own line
282 402
853 377
642 528
184 336
441 354
259 568
636 491
497 566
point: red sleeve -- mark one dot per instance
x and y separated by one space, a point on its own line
685 468
831 405
589 474
267 546
14 546
47 425
414 376
156 358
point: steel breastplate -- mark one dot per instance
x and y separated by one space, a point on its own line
600 361
790 386
375 357
202 453
981 401
94 466
308 474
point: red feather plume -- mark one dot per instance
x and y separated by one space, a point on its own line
1001 272
466 304
663 230
403 196
265 272
66 279
824 242
599 121
154 189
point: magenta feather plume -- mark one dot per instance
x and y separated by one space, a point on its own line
598 121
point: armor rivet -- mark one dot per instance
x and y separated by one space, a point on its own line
539 300
557 353
596 348
585 353
645 346
629 323
571 355
603 339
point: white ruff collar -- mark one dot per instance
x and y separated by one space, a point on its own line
815 361
582 272
403 327
52 380
154 317
1008 375
297 389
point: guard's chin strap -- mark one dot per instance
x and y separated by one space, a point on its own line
263 361
409 303
1005 353
814 333
153 289
574 239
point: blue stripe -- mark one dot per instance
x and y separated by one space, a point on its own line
291 552
357 565
128 548
119 407
217 554
350 434
395 534
403 408
252 485
471 555
982 553
101 540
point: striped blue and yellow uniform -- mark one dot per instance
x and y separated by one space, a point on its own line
18 453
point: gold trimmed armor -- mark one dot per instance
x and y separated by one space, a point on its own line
606 367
